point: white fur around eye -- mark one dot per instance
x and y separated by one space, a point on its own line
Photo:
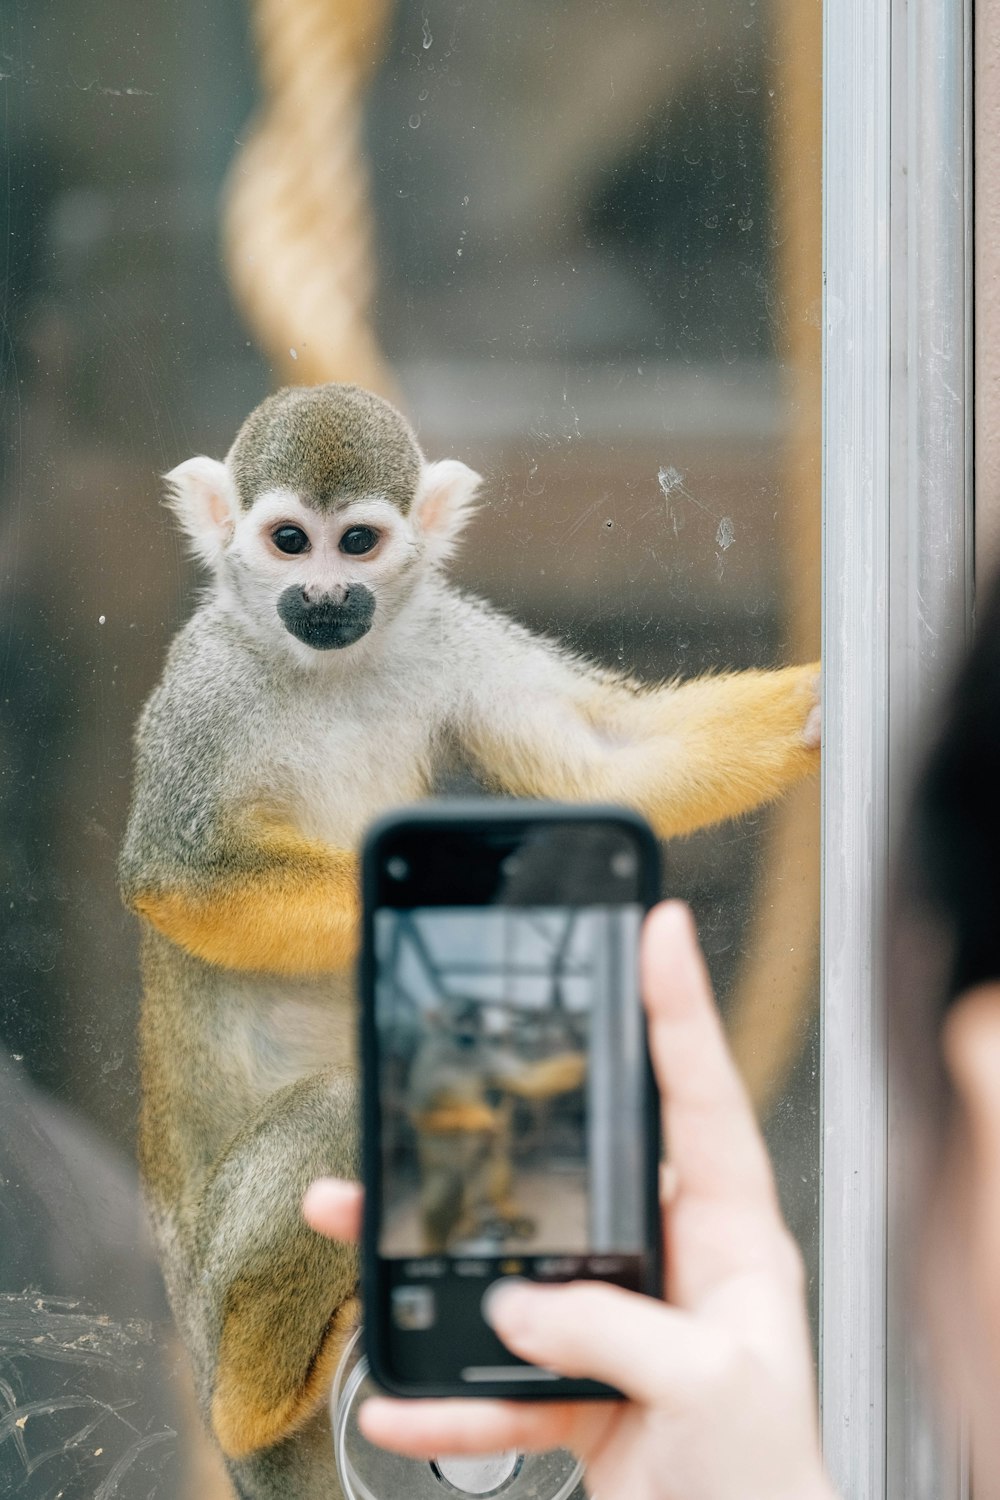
201 494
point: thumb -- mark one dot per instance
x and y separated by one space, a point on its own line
588 1330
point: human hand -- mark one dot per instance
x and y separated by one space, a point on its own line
718 1380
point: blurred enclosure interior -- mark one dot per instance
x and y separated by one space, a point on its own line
579 243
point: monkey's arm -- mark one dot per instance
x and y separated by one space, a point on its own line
466 1109
540 1080
259 897
543 725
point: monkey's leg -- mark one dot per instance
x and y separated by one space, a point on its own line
451 1136
262 898
442 1188
273 1302
301 1467
496 1185
685 756
544 1079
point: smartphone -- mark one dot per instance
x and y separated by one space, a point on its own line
511 1122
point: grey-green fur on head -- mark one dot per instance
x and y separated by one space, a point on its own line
327 443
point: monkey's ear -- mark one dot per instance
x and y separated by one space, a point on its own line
444 504
201 494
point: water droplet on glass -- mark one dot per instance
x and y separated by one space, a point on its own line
465 201
294 353
414 122
711 221
726 535
101 619
422 96
427 34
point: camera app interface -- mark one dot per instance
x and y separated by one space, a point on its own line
511 1096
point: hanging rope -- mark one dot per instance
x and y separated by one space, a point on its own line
297 224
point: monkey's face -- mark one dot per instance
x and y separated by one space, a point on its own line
323 518
325 577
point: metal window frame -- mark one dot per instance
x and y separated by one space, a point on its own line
897 600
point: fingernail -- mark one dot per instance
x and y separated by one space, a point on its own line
669 1182
679 912
321 1189
506 1304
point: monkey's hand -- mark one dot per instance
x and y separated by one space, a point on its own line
543 1080
258 897
812 733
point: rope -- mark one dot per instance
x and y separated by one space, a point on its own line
297 223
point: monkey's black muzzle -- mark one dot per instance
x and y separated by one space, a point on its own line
328 624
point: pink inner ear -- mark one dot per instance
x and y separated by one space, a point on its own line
445 498
218 509
434 507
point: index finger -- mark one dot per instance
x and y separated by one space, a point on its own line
712 1137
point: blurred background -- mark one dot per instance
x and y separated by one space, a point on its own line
579 243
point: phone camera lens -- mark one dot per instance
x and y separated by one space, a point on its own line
623 864
397 867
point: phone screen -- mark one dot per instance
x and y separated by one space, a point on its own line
511 1077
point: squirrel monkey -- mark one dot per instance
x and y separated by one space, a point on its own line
462 1135
320 682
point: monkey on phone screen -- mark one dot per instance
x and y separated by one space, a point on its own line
320 682
459 1093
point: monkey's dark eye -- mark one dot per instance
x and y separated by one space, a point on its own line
359 539
290 539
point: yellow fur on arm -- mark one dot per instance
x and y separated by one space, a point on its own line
730 744
283 904
685 756
545 1079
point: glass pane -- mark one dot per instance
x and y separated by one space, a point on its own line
579 246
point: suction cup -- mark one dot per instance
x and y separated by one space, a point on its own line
370 1473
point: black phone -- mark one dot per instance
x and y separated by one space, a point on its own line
511 1121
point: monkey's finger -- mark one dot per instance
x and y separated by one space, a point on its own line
334 1208
426 1429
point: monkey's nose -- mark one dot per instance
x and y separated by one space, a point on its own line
336 596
